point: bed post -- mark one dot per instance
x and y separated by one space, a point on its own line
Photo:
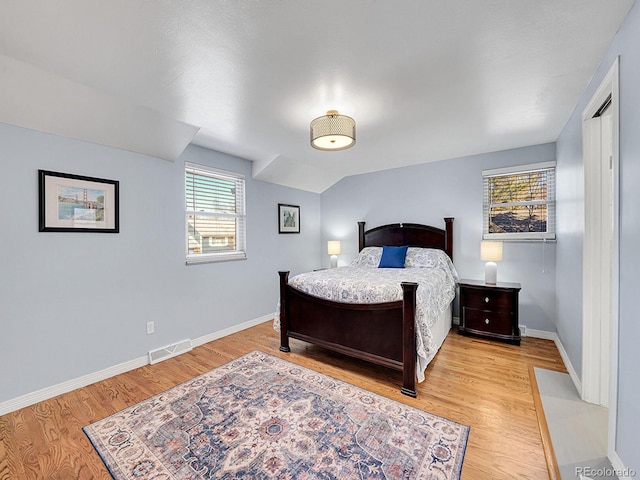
284 338
360 236
409 290
448 240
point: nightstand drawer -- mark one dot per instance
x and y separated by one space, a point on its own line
487 299
488 321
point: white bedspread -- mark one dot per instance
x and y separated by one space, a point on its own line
361 282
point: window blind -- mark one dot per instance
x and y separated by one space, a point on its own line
519 202
215 214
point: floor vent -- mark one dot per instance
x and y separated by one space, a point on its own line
169 351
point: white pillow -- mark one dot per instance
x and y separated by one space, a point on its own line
368 257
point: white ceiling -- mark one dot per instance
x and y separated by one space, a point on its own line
425 80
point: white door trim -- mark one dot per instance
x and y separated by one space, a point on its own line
591 338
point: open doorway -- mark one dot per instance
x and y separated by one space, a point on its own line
600 252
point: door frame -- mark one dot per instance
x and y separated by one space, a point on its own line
591 338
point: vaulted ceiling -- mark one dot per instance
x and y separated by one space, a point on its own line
425 80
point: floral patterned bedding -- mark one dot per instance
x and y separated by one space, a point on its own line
363 282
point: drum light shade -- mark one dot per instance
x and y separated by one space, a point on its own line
333 132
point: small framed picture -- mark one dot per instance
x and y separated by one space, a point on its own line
288 218
73 203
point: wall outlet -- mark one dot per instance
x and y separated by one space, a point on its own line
523 331
150 328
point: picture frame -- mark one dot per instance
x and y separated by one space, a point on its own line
288 218
75 203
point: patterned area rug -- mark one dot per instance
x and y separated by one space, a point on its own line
261 417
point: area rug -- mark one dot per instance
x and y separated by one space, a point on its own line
261 417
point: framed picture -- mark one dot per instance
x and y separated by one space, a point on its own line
288 218
73 203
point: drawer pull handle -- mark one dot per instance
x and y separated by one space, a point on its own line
486 321
486 299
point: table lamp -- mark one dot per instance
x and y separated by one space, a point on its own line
333 248
491 252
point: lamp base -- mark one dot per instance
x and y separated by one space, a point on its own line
334 261
491 273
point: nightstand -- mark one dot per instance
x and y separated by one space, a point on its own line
489 311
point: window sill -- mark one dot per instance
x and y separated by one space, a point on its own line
523 240
519 237
200 259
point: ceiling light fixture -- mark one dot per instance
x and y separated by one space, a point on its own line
333 132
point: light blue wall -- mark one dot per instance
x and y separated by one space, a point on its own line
72 304
626 45
453 188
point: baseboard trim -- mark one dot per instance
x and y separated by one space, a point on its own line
228 331
567 363
73 384
65 387
531 332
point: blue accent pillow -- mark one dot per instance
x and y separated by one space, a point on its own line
393 257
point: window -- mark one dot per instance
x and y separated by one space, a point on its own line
215 214
519 202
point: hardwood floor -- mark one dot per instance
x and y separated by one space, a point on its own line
481 383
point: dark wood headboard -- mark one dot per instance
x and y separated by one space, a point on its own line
411 234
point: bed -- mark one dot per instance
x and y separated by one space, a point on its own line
401 333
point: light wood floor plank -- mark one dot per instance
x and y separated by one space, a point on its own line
481 383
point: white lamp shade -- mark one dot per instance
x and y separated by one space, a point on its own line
333 247
491 251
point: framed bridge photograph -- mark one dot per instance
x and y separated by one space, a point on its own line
74 203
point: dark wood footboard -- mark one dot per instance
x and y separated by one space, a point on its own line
381 333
